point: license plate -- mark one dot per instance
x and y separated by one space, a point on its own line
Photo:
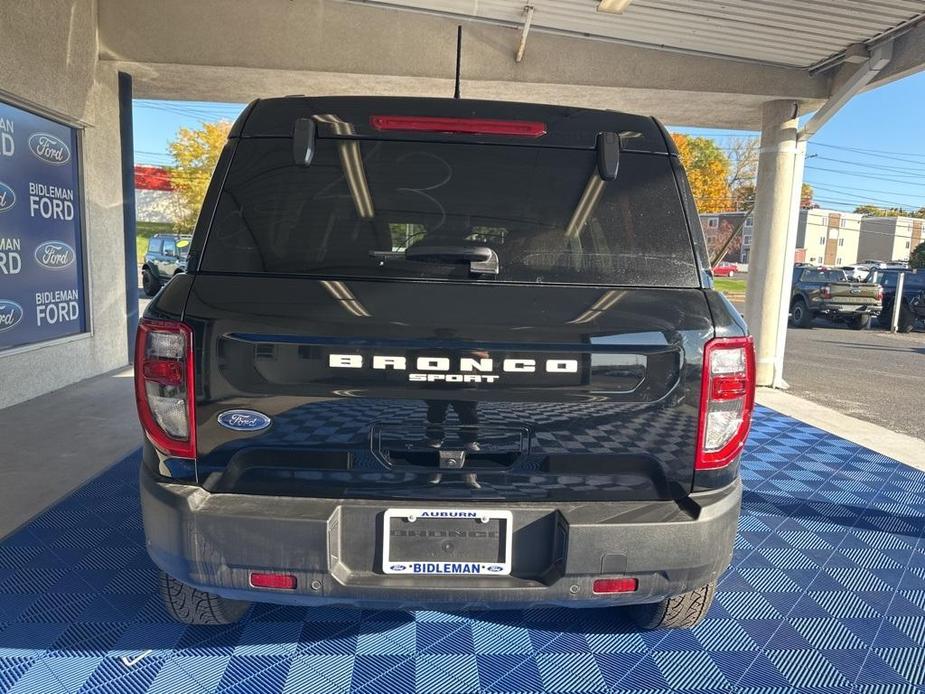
447 542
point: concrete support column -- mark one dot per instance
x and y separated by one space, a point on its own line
777 206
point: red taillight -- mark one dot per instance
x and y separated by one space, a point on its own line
727 399
164 385
468 126
615 585
879 293
276 581
826 292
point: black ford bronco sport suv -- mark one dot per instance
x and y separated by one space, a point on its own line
445 354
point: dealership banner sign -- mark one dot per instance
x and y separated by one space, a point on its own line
42 291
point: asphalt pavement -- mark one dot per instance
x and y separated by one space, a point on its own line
872 374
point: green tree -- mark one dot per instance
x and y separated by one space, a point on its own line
195 152
874 211
917 257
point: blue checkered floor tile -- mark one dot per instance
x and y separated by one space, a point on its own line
826 594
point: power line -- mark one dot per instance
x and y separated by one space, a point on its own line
897 170
868 176
855 189
877 153
891 203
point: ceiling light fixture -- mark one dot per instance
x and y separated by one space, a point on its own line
613 6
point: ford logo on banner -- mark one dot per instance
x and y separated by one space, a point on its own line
54 255
7 197
10 314
50 148
243 420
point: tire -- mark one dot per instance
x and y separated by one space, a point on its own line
802 317
679 612
885 317
149 282
906 320
861 322
188 605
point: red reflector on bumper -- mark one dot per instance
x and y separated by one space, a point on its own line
615 585
278 581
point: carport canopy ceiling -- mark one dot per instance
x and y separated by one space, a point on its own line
795 33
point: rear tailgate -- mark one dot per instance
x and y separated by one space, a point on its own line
560 405
854 293
570 370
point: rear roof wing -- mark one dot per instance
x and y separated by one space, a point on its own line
351 117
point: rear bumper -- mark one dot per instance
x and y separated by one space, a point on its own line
848 309
214 541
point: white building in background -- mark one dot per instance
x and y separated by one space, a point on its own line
155 198
890 238
828 237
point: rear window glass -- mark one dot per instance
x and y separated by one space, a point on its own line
824 276
423 210
912 280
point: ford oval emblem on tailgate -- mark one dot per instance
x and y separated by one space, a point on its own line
243 420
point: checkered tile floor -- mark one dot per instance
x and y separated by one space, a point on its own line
827 594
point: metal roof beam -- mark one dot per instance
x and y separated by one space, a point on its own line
879 58
908 55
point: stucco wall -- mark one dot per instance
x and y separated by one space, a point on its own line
49 52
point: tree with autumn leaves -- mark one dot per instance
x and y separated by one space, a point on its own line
195 153
724 182
707 169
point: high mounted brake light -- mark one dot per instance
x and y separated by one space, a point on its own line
467 126
164 385
727 398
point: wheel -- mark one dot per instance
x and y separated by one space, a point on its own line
802 318
679 612
885 317
860 322
191 606
149 282
906 320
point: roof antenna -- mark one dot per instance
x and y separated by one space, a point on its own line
458 57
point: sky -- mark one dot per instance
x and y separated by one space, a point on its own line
870 152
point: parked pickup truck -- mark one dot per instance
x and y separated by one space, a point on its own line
443 353
818 291
912 308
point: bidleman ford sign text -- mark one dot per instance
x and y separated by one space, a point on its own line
41 248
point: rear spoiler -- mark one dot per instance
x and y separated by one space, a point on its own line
362 118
